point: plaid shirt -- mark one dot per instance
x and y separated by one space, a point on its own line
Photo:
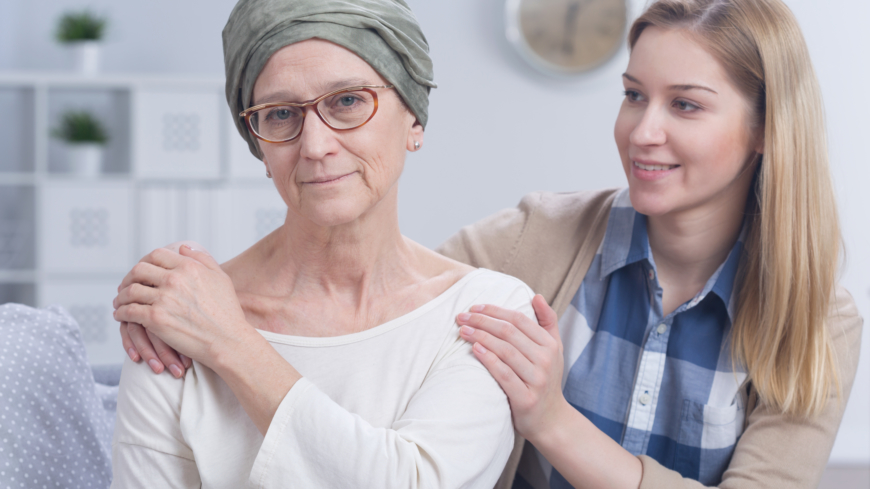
659 385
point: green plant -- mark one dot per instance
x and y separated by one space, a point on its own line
80 26
80 127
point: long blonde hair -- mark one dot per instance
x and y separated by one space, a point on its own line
787 276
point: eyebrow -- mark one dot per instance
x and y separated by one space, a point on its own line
681 88
288 96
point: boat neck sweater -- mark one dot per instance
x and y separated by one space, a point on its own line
402 405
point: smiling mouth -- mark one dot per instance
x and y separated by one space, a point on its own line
326 180
654 167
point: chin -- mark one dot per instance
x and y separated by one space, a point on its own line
333 213
650 202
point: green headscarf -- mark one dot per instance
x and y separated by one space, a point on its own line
384 33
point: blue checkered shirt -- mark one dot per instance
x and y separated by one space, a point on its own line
659 385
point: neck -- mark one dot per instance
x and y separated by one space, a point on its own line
688 246
368 254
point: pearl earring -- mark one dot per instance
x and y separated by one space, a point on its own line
268 175
416 145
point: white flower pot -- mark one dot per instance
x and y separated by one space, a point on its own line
87 57
84 159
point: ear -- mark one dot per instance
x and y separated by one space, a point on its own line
415 135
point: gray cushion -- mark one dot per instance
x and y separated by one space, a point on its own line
54 428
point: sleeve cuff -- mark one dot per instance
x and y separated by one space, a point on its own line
302 389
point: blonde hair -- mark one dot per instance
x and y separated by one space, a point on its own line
787 276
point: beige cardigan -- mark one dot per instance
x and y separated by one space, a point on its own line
549 241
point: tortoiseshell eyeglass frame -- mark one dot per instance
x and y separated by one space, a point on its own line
247 113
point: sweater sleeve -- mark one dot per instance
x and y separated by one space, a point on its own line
455 432
148 449
491 242
780 451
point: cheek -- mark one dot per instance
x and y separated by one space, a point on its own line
719 152
622 131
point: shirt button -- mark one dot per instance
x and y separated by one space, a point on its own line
662 328
652 274
644 399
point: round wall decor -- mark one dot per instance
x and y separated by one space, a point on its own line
566 37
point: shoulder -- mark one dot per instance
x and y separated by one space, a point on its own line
556 222
562 206
141 389
149 410
489 287
845 326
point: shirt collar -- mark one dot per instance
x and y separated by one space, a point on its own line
626 241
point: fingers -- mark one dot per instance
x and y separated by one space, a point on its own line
128 343
501 330
178 244
200 255
547 317
506 377
506 351
136 293
163 258
142 344
529 327
139 343
143 273
167 355
133 313
187 362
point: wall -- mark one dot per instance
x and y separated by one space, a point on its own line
497 129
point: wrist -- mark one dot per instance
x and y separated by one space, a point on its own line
230 354
554 427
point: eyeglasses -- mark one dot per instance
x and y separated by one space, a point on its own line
342 110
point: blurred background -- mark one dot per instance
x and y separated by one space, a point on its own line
173 167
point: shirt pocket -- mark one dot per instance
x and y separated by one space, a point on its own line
707 438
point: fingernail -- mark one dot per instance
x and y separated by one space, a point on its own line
464 316
155 365
477 308
479 348
133 355
176 370
466 330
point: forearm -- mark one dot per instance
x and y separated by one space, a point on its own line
258 375
584 455
454 432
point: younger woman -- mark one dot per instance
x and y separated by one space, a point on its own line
704 340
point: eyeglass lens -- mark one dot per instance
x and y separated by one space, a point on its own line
343 110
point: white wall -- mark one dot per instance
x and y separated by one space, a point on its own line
498 130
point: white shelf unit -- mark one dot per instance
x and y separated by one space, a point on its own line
174 169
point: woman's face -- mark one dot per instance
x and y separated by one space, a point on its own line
684 131
326 176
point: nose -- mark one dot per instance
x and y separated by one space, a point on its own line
650 129
317 139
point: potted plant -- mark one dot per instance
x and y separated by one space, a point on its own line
82 31
85 140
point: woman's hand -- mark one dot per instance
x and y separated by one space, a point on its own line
140 344
180 299
525 357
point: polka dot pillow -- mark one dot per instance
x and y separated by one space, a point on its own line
54 430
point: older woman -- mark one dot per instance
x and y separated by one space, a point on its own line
327 354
